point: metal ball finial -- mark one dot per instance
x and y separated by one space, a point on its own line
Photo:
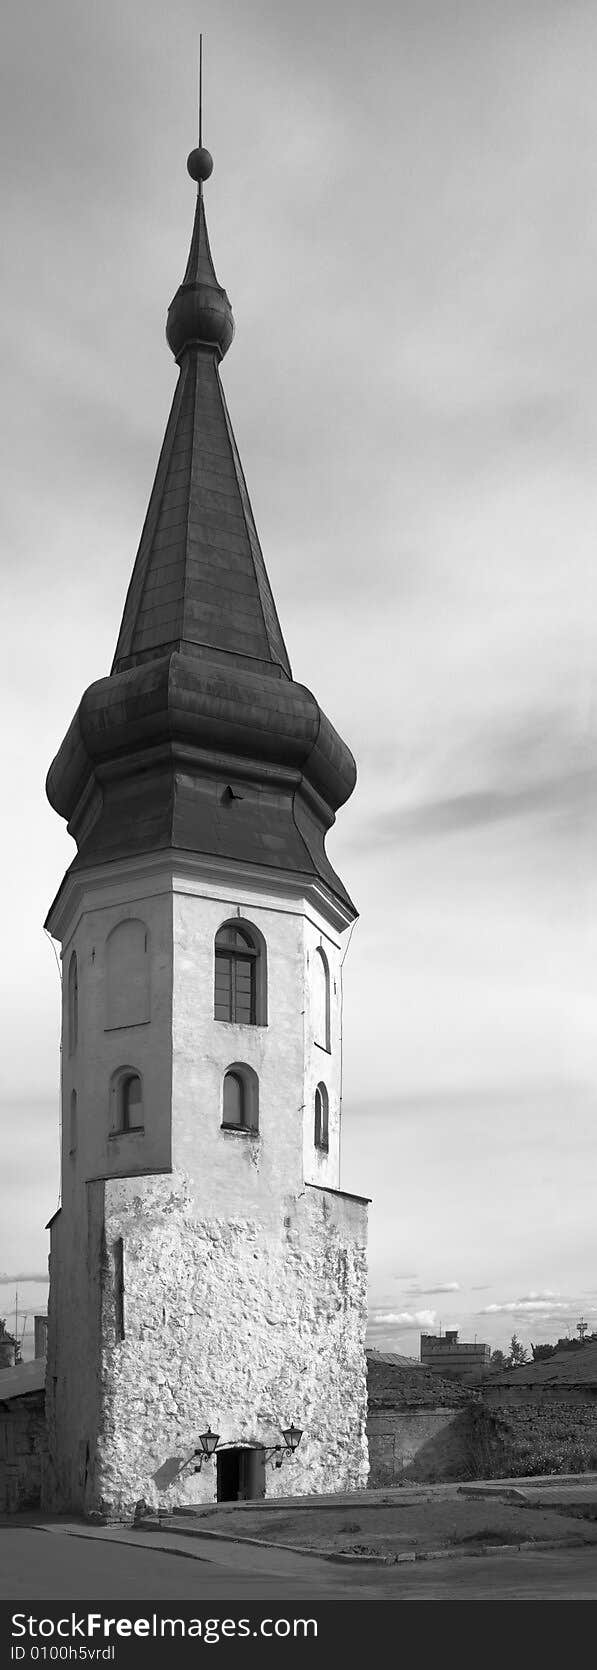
200 163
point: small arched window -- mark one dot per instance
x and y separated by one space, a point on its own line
72 1144
127 1091
240 1099
240 985
322 1140
73 1004
321 999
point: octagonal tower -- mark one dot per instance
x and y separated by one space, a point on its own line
206 1270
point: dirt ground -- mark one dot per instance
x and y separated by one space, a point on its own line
415 1526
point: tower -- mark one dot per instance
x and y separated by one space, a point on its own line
206 1271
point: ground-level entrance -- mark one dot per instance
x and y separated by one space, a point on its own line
241 1474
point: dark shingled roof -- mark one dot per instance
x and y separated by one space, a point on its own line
565 1368
399 1383
199 581
22 1380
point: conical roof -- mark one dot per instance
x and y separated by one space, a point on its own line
199 579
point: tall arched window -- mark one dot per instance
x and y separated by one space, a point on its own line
322 1118
72 1142
321 999
240 1099
73 1004
240 985
127 1093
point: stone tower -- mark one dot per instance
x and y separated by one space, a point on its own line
206 1271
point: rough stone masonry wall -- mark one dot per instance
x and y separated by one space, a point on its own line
236 1325
77 1268
419 1444
23 1451
534 1437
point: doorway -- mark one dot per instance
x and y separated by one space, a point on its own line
241 1474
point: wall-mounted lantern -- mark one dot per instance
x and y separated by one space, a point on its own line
292 1436
209 1443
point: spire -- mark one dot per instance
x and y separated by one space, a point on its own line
200 699
199 579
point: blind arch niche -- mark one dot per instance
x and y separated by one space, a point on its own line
127 975
73 1004
321 999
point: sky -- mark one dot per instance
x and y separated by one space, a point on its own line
403 211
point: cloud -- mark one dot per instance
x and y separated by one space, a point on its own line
440 1287
38 1276
456 486
533 1304
569 793
402 1319
540 765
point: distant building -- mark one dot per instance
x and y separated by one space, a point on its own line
40 1336
23 1440
9 1348
418 1423
444 1353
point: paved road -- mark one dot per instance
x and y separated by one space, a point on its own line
49 1564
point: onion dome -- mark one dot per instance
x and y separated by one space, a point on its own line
200 311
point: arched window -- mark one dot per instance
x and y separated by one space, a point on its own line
73 1004
127 974
240 1099
321 999
72 1144
240 987
127 1093
322 1118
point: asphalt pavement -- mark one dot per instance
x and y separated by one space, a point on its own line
62 1561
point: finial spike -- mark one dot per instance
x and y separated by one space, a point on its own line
200 163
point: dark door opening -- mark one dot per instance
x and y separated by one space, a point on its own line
241 1475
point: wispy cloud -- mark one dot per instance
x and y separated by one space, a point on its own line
438 1287
544 1304
542 765
23 1276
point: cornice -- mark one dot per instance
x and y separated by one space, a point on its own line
175 872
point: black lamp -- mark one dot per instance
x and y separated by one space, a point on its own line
209 1443
292 1436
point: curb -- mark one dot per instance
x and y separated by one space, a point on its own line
450 1552
260 1542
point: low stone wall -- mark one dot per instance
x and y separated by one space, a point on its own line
23 1449
418 1444
546 1435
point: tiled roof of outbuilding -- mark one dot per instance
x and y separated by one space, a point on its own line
22 1380
566 1368
399 1383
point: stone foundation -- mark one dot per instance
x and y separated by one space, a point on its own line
227 1322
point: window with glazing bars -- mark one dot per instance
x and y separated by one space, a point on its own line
235 977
